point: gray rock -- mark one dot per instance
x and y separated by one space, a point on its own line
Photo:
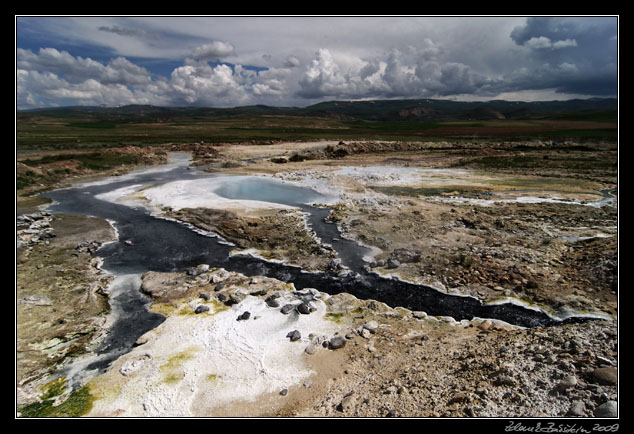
287 308
365 333
578 408
311 349
371 326
219 287
393 263
204 297
295 335
567 382
237 297
336 342
245 316
304 308
201 309
609 409
271 302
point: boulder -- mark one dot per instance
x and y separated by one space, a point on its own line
295 335
336 342
201 309
608 409
304 308
287 308
607 376
245 316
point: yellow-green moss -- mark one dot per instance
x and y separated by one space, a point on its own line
171 370
335 317
78 402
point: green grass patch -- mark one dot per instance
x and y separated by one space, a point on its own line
91 160
100 125
425 191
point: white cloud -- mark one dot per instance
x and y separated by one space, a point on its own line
202 84
291 62
542 42
213 51
297 60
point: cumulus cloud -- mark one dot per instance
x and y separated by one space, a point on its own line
213 51
75 68
202 84
414 58
543 42
56 75
292 62
411 74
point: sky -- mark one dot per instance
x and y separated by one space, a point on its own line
218 61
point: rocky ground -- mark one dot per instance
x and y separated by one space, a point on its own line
461 230
355 358
61 295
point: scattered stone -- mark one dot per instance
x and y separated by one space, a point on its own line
485 325
346 403
284 392
222 298
393 263
245 316
204 297
337 342
607 376
304 308
237 297
566 383
287 308
578 408
311 349
371 326
201 309
608 409
295 335
271 302
219 287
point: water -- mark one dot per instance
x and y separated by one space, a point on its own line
148 243
267 190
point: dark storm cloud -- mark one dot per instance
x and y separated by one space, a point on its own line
571 54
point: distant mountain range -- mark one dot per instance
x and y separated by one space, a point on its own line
374 110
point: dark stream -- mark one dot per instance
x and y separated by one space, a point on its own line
147 243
